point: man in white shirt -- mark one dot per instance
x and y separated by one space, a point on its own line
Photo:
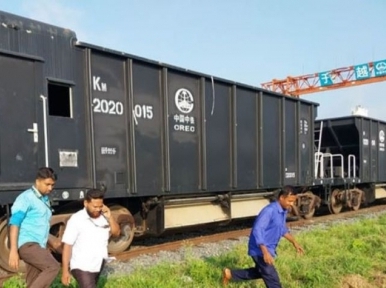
85 241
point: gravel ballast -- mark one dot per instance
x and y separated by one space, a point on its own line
118 268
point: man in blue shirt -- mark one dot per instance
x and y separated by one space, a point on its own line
268 228
29 232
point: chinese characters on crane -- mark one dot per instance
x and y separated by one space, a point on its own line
361 72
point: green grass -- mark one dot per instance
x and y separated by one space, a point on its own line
331 254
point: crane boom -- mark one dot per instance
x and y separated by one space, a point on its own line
334 79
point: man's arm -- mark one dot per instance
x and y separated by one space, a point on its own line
291 239
260 225
266 255
13 261
115 230
18 214
70 235
258 232
66 256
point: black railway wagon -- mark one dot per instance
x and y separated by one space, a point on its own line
350 160
171 147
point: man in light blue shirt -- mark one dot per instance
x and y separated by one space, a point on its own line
268 228
29 231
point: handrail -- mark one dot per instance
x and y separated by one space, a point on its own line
319 160
45 129
351 156
319 163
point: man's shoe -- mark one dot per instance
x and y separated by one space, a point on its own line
226 276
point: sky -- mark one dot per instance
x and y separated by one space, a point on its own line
248 41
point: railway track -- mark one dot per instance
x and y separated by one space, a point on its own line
228 235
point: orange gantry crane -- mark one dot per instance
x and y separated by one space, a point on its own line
334 79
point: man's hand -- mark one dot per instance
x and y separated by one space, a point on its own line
115 230
298 248
66 278
290 238
13 261
268 259
106 212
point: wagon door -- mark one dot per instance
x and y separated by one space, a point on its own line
19 138
64 116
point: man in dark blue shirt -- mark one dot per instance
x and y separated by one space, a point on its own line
269 227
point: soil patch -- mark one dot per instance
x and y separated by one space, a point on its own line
356 281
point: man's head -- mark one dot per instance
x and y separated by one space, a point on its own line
45 180
286 197
93 202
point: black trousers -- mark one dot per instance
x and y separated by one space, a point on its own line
261 270
87 279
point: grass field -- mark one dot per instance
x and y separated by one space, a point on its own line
338 256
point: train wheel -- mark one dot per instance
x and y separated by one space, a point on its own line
334 203
293 211
310 213
58 225
356 199
313 203
126 223
4 250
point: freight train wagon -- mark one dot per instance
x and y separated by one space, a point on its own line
350 165
170 147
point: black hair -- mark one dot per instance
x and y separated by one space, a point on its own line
94 194
46 173
287 191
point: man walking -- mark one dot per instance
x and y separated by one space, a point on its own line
268 228
29 231
85 241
